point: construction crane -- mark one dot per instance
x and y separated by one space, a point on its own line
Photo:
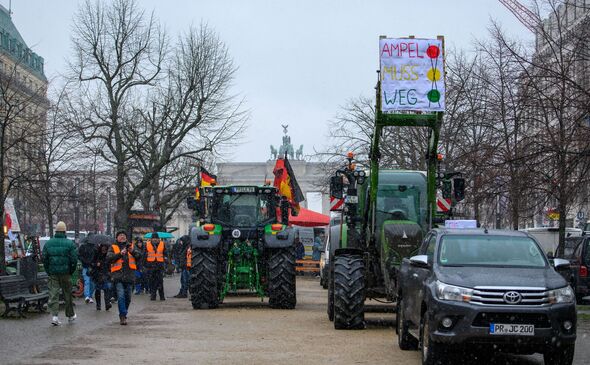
523 14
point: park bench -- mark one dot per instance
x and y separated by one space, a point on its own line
20 294
306 265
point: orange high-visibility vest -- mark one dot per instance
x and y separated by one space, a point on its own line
157 255
118 265
189 257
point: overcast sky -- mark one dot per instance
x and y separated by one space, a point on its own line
299 60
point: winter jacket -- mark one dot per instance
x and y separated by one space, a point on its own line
59 255
101 268
317 249
182 244
86 253
126 274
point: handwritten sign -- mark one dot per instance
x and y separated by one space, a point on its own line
412 74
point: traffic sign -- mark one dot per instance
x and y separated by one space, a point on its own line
336 204
443 204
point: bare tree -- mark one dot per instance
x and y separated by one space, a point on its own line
143 107
56 152
119 51
22 109
558 102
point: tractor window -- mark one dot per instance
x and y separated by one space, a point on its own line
244 210
400 203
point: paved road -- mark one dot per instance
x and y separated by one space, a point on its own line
242 331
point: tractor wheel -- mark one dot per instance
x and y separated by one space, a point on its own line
281 278
330 280
349 292
203 280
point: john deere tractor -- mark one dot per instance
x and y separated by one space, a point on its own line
241 246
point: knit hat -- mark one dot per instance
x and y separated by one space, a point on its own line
60 227
120 232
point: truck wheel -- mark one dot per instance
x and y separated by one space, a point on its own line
405 340
330 280
562 355
349 292
431 351
203 281
281 282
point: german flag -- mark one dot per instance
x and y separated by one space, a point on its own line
286 183
207 179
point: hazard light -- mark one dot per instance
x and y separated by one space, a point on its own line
276 227
583 272
209 227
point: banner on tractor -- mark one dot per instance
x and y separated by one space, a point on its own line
412 74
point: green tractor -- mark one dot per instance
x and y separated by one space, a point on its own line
385 218
241 245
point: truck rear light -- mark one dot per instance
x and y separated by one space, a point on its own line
583 271
208 227
276 227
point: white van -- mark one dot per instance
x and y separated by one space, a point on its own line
548 237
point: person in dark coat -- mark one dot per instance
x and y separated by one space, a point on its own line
156 255
60 261
299 249
101 274
140 276
86 253
123 260
183 244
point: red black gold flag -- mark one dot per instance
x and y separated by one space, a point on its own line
286 183
207 179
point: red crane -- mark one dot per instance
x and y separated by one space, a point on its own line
523 14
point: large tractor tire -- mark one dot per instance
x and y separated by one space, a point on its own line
203 281
349 292
281 278
330 295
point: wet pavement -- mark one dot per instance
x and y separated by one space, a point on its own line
242 331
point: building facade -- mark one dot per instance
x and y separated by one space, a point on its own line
23 114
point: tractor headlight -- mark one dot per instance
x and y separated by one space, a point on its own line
563 295
453 293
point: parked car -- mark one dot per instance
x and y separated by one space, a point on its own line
494 290
577 251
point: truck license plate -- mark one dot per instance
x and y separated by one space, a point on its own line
512 329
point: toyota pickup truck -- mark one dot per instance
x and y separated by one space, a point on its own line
487 289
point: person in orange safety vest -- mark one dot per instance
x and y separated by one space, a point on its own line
155 264
123 259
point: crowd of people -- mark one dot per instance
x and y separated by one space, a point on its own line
112 271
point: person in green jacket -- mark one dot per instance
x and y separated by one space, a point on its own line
60 260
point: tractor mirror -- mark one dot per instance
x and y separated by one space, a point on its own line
459 188
336 187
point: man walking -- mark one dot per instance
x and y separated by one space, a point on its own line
60 261
184 263
123 259
87 253
155 265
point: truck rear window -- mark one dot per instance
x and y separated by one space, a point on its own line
489 250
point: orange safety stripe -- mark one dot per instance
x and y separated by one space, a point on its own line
189 257
118 265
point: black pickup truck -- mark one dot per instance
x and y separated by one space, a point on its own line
492 290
